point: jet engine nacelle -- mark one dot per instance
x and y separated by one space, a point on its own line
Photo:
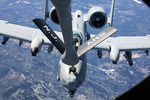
36 45
53 15
97 17
114 54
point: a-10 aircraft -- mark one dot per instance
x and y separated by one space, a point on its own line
74 41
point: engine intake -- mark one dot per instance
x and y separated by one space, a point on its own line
97 17
53 15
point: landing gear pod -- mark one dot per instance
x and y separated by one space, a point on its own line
36 45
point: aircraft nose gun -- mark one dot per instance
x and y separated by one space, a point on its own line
71 93
72 69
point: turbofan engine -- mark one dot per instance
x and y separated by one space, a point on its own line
53 15
36 45
97 17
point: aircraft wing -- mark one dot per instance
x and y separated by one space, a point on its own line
125 43
23 33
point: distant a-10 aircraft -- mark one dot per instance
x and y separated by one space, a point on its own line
74 41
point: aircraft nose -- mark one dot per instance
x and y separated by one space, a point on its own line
72 84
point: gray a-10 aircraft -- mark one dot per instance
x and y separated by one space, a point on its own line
74 41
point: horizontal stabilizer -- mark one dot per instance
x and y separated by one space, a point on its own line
50 34
95 40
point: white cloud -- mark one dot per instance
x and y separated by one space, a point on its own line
19 1
26 2
137 1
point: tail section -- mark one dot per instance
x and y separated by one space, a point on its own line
110 18
46 14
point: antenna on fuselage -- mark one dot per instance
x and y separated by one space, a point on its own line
110 18
46 13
